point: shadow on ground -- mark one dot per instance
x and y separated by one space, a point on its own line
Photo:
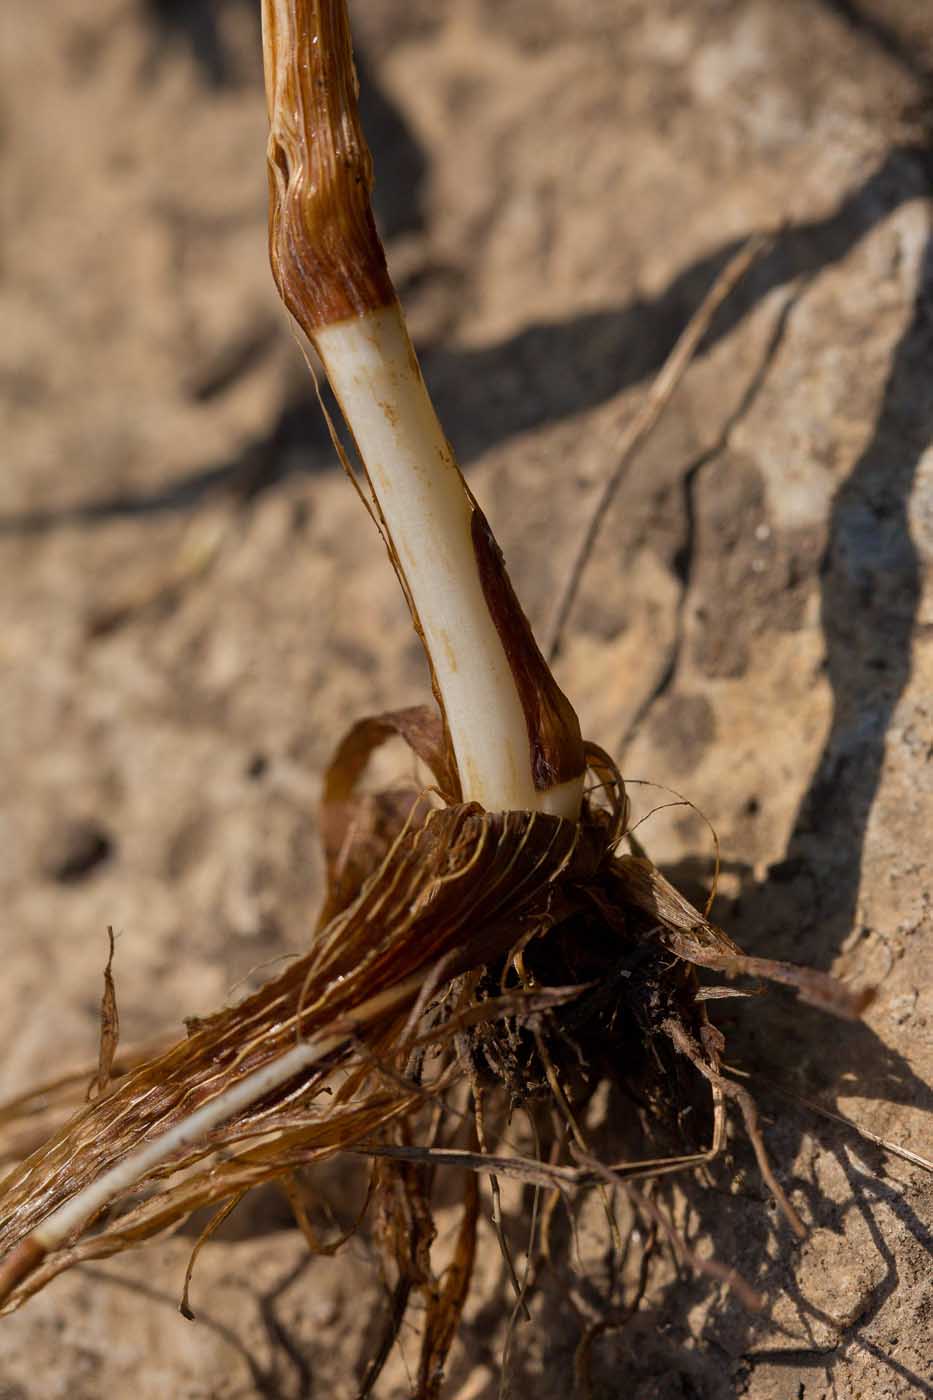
541 375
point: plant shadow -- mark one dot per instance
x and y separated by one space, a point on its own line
542 374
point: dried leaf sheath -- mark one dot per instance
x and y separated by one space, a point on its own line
457 888
326 256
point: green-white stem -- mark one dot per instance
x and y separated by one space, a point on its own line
428 513
515 738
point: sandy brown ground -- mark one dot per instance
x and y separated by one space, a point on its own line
193 607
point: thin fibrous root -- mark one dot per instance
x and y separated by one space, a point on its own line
685 1043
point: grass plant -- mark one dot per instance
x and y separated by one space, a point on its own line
496 944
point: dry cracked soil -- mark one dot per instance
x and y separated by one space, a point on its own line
193 607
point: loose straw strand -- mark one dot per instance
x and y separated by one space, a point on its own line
659 396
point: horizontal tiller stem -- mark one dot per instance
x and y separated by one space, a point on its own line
69 1219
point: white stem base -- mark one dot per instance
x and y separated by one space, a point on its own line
374 373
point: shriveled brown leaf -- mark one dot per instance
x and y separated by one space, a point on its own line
695 940
357 830
456 887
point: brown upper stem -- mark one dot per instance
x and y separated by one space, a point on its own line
326 255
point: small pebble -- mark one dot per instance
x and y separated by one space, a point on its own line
73 849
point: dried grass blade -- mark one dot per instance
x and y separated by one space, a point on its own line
109 1028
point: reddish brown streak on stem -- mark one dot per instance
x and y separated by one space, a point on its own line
326 255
